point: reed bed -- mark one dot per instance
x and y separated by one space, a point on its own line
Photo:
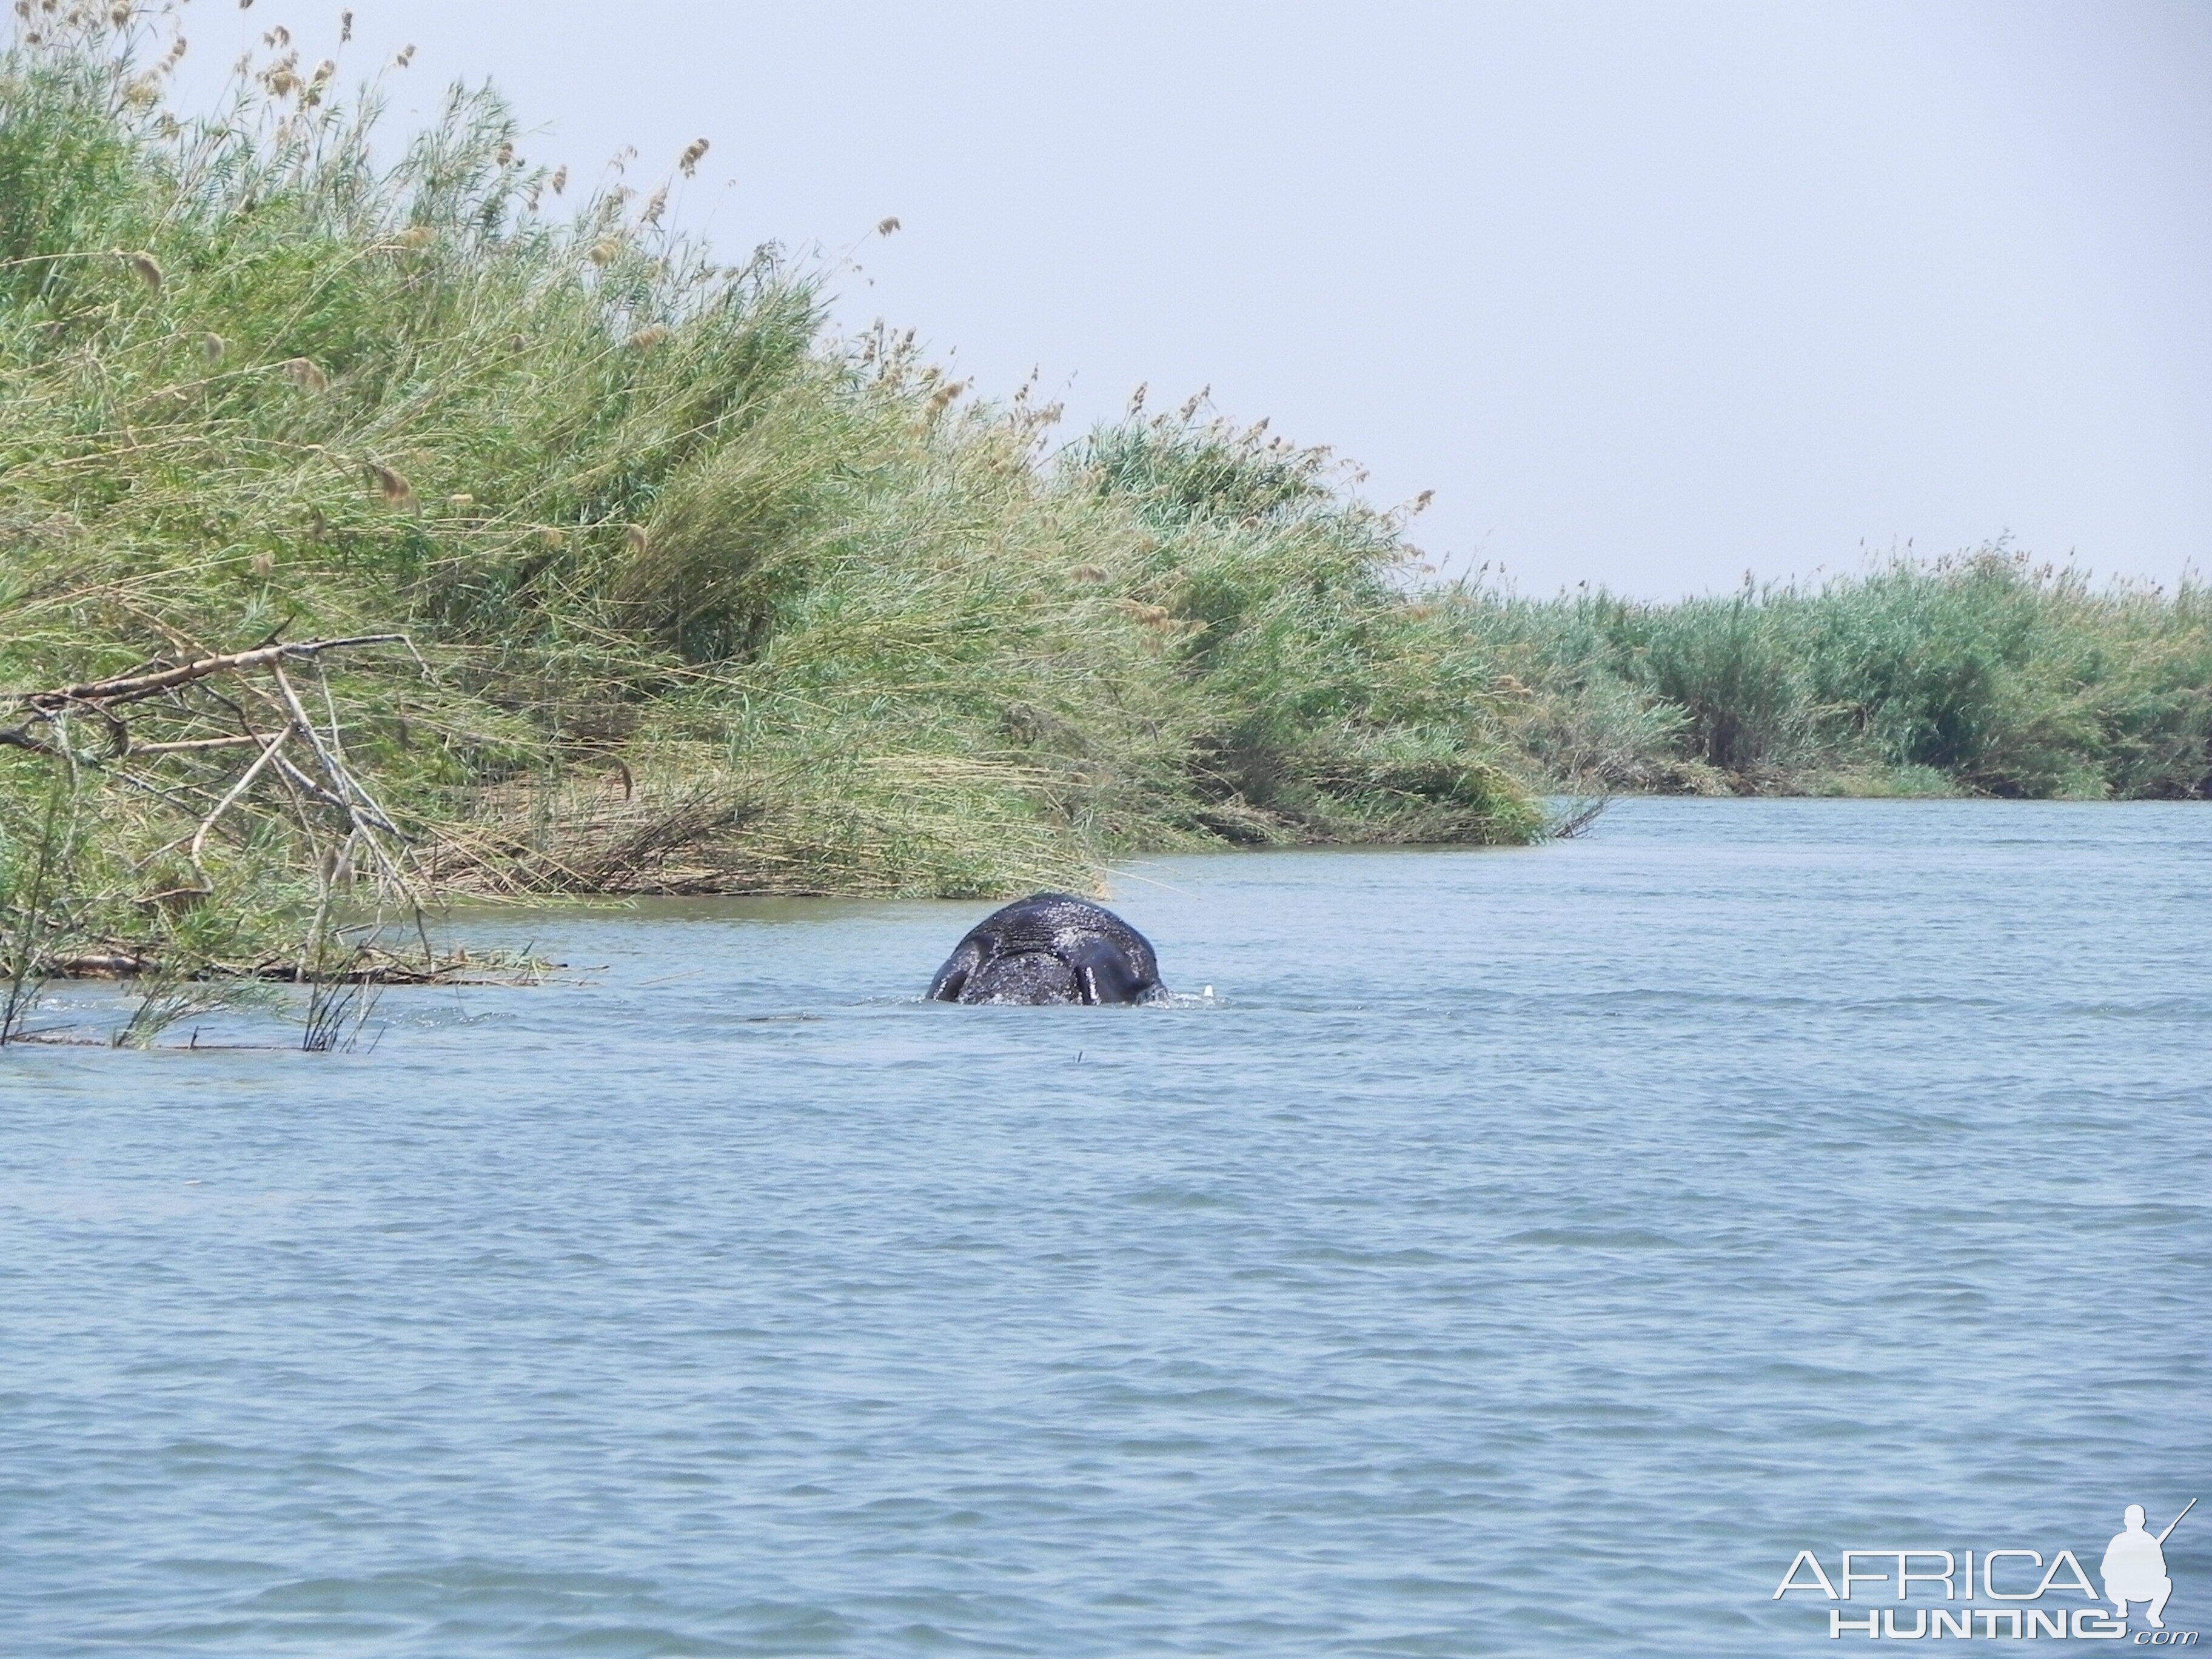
1986 673
683 594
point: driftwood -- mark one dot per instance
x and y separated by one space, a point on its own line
219 747
212 738
100 697
367 965
131 688
364 829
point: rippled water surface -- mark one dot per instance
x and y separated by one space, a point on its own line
1525 1252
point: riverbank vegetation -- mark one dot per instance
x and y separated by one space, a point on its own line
653 585
383 520
1980 674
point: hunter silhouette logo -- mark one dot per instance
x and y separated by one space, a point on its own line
2134 1567
2133 1572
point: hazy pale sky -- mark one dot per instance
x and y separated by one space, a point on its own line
1651 294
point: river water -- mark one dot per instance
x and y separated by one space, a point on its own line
1523 1252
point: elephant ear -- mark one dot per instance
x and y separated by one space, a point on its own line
953 977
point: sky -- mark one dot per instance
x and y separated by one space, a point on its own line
1651 295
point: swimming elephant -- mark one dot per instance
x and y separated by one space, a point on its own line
1051 950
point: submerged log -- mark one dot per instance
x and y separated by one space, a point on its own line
368 966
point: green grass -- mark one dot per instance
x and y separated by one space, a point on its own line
1983 674
698 597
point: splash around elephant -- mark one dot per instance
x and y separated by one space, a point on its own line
1051 950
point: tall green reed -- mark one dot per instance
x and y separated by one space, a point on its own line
1984 673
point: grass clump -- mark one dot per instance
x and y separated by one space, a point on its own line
692 597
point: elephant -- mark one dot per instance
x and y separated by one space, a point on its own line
1051 950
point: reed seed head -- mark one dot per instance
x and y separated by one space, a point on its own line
406 56
689 161
345 27
505 155
560 179
887 227
392 486
146 268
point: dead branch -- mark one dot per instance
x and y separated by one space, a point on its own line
363 816
201 712
193 744
134 687
245 780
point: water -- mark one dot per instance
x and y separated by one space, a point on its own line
1527 1252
